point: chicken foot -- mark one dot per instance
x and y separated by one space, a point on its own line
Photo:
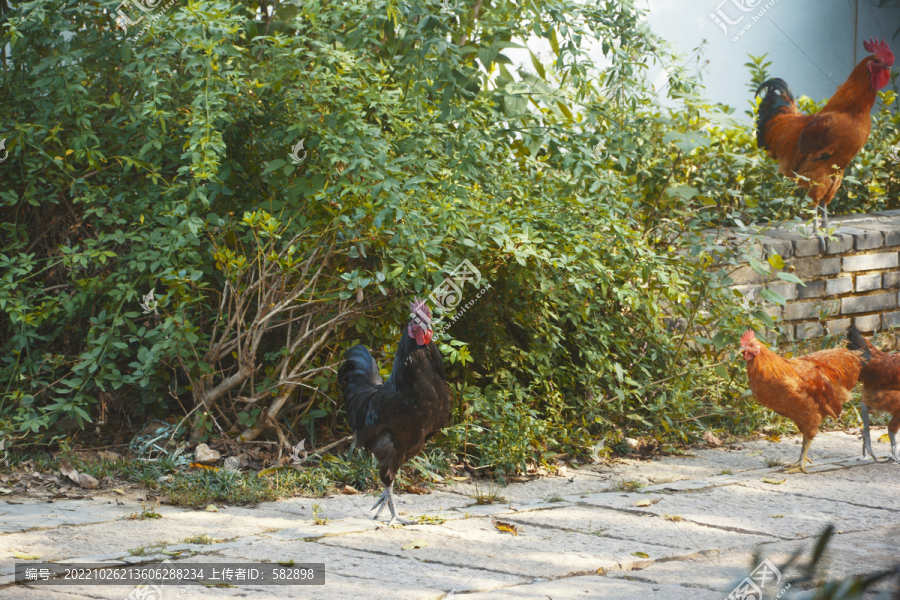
387 499
867 439
895 452
800 466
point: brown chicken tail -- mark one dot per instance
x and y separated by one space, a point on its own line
778 100
856 341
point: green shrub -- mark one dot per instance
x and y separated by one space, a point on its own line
162 163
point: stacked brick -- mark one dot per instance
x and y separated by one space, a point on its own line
856 281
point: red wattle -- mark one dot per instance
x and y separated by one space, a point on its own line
880 78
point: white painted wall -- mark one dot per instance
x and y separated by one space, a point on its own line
810 42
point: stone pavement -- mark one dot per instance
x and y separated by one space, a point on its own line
690 534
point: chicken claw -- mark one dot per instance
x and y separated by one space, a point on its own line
380 503
796 468
867 438
800 465
387 499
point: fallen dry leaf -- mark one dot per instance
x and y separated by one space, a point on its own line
212 508
647 502
349 489
640 554
87 481
24 556
207 467
82 479
710 439
774 438
66 469
773 481
414 545
884 438
507 527
119 491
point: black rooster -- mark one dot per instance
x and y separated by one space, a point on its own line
394 419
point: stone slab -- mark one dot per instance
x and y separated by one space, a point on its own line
535 552
619 525
583 588
848 555
106 540
868 486
755 510
414 568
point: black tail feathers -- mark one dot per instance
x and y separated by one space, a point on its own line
856 341
358 369
778 99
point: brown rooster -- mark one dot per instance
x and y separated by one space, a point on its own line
805 389
881 390
811 146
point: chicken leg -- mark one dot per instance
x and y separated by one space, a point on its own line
800 466
867 439
387 499
895 453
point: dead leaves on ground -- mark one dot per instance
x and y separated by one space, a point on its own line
505 527
83 479
647 502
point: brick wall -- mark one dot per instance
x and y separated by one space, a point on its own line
855 281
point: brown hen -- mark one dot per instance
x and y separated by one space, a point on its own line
805 389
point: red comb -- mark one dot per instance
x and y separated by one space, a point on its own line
881 50
419 307
748 337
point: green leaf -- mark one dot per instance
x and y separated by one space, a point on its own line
759 267
685 192
772 297
790 278
686 141
537 66
275 164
